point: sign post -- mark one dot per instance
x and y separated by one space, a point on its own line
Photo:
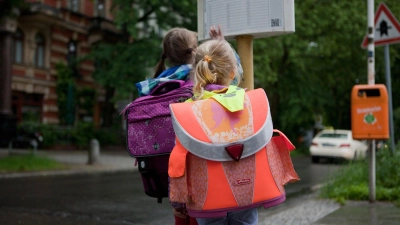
245 51
387 31
243 21
371 81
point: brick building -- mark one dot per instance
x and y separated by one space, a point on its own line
44 34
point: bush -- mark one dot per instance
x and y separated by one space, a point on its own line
82 134
110 136
78 136
352 181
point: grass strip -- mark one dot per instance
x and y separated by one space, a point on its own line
27 163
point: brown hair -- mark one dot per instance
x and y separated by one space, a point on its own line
215 63
179 45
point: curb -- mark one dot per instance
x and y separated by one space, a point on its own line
64 172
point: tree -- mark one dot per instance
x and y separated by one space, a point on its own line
312 71
120 65
9 7
306 74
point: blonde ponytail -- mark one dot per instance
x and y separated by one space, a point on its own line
203 76
214 63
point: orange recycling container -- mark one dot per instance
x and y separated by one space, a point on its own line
369 112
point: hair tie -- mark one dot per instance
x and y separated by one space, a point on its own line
163 56
189 50
207 58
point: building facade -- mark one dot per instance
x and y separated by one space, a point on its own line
48 33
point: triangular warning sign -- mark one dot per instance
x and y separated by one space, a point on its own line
387 28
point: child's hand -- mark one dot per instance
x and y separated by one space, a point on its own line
216 33
180 212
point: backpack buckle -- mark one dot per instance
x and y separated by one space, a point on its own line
235 151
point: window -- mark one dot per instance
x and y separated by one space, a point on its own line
18 46
39 52
99 8
333 135
27 107
73 5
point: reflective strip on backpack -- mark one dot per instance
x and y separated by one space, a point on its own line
216 151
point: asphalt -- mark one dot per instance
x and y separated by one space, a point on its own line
304 209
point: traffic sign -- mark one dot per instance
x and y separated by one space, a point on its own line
387 28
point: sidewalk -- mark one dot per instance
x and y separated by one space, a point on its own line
304 209
77 162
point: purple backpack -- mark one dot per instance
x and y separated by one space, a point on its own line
150 136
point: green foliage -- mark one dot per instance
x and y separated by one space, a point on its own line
352 182
301 150
396 122
78 136
66 91
110 136
87 99
312 71
82 134
120 65
8 7
388 170
139 16
20 163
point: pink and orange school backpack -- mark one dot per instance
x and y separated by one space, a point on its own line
225 161
150 137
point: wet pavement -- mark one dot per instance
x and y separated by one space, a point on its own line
363 213
301 208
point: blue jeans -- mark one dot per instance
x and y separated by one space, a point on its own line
243 217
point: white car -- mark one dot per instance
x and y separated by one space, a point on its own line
336 144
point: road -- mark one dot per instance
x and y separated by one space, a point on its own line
105 199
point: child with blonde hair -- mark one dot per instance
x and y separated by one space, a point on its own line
214 70
215 66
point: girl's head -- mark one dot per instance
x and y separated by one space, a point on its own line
215 63
179 46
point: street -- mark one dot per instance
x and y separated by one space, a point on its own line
111 198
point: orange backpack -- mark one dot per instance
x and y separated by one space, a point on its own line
226 161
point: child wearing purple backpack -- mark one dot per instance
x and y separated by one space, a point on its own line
179 50
179 46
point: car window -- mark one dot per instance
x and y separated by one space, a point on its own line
339 136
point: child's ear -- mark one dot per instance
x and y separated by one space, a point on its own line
232 75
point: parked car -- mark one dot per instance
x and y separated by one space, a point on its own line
336 144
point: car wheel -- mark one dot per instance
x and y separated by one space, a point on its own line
314 159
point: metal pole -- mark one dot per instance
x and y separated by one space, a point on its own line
245 51
371 81
371 45
389 90
372 181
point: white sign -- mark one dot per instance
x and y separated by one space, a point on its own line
387 28
258 18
